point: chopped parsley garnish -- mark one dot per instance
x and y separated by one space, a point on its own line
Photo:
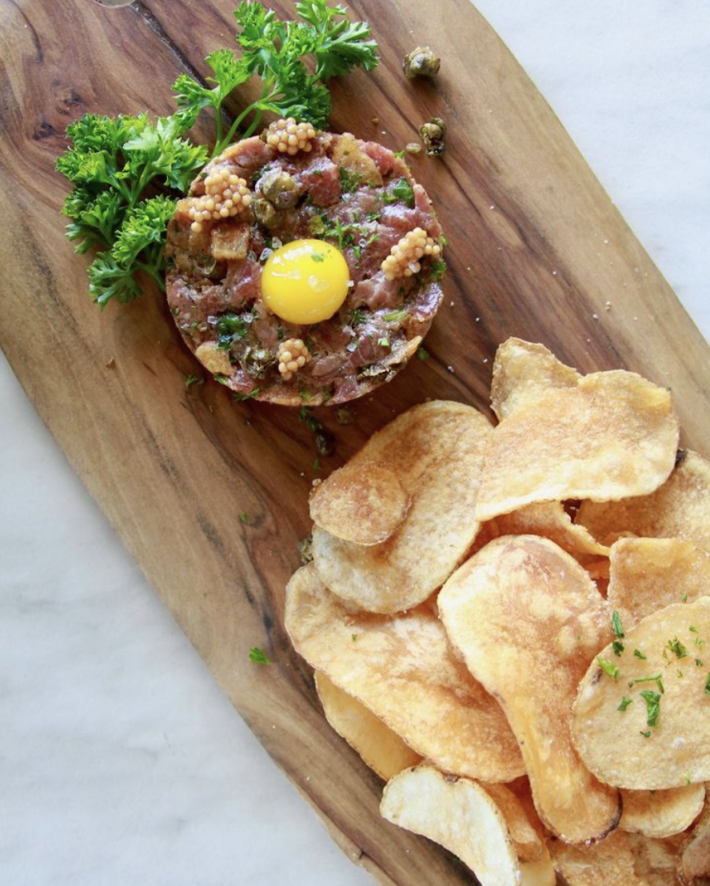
357 316
646 734
191 380
653 706
437 270
353 637
250 396
639 654
403 191
383 342
316 464
306 415
609 668
318 256
618 647
693 629
349 181
707 685
244 517
624 703
677 648
616 625
258 656
396 316
232 324
422 354
654 678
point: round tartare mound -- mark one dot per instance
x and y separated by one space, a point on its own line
295 184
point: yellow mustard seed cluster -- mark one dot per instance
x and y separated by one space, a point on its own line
289 137
226 194
403 260
293 354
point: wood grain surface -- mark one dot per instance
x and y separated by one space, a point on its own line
536 249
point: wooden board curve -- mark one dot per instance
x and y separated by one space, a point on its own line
536 249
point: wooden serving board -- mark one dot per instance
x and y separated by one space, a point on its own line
536 249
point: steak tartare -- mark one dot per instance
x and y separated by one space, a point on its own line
356 198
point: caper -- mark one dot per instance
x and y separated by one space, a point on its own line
279 189
433 135
421 62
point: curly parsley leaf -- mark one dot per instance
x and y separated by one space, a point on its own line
128 171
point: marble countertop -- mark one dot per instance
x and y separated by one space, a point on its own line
120 759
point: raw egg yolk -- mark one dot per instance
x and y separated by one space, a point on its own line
305 281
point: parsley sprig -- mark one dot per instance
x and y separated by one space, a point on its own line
129 171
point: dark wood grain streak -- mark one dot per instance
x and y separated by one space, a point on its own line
536 249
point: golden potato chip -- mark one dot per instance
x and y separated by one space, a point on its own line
694 866
436 451
661 813
403 669
613 435
528 844
521 371
362 502
462 816
642 718
622 859
527 620
550 520
381 748
680 508
646 574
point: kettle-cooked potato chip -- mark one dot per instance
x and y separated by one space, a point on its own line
362 502
641 719
403 669
694 866
622 859
381 748
613 435
521 371
646 574
526 618
680 508
461 815
661 813
436 451
550 520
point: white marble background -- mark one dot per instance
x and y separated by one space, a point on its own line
120 760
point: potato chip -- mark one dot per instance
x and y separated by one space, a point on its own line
521 371
528 844
436 451
527 619
622 859
680 508
661 813
361 502
613 435
642 718
550 520
381 748
403 669
646 574
462 816
694 867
